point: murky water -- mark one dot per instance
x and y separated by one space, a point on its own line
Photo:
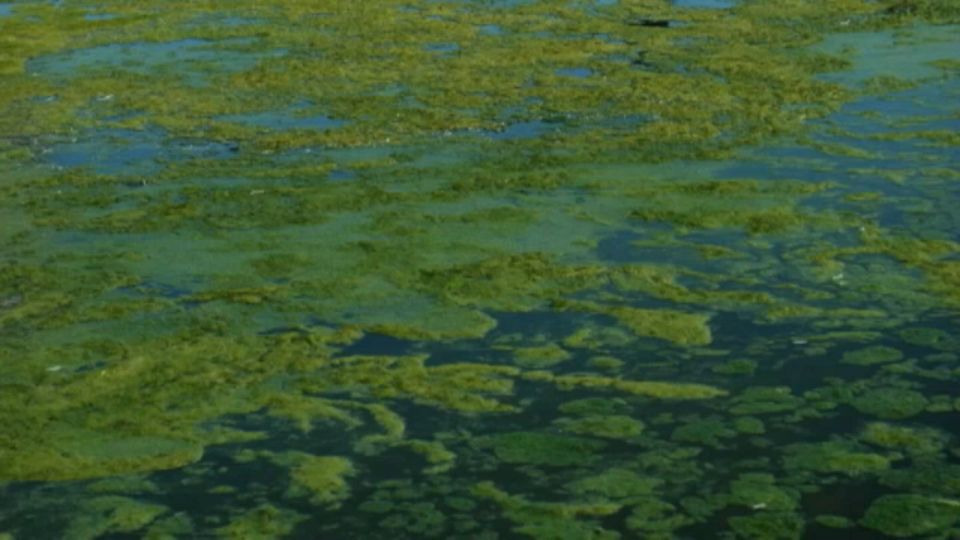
479 270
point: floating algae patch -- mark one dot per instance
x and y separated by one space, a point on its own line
611 426
914 441
768 526
540 357
926 476
534 448
890 402
264 521
535 519
652 389
736 367
765 400
667 324
652 516
868 356
101 516
615 483
758 490
69 454
704 432
903 516
320 478
675 326
927 337
834 457
592 406
458 386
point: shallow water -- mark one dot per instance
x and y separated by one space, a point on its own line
479 269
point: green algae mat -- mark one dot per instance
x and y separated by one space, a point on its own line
480 269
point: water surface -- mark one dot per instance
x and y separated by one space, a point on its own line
479 269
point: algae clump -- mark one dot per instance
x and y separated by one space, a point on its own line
905 515
105 515
704 431
834 522
834 457
615 483
594 406
264 521
926 337
736 367
890 403
759 490
467 387
765 400
655 518
678 327
551 520
540 357
915 441
606 426
533 448
768 526
606 363
878 354
72 454
321 478
675 326
653 389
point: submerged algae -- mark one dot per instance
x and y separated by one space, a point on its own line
605 426
925 475
890 402
915 441
736 367
655 518
834 457
535 448
615 484
869 356
654 389
594 406
759 490
547 520
768 526
905 515
112 515
704 431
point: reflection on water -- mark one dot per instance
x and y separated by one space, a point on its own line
462 270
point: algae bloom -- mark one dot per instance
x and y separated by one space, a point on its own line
479 269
